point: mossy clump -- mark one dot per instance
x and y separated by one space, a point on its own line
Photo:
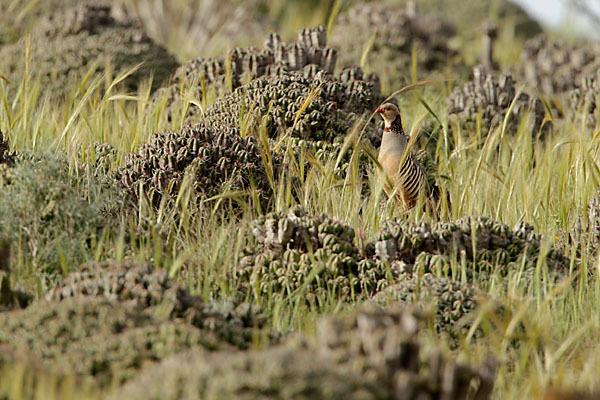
97 337
150 289
390 35
487 99
51 213
280 101
451 300
293 250
142 284
482 245
372 353
110 319
18 17
215 157
69 43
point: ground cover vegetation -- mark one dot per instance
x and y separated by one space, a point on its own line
190 205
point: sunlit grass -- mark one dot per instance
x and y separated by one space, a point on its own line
506 176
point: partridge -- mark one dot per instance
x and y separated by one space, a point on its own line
404 172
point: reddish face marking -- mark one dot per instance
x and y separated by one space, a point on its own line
382 110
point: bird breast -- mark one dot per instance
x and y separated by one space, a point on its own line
391 153
393 142
390 163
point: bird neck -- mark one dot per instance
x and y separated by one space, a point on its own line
395 125
394 139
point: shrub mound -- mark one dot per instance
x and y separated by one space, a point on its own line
94 337
68 43
338 104
108 319
554 66
584 99
372 353
490 98
151 289
394 33
43 207
483 245
451 300
223 74
293 249
101 159
216 158
12 28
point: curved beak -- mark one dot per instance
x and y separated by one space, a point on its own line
379 110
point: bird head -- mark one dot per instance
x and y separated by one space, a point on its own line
389 112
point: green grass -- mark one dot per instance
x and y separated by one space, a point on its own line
510 178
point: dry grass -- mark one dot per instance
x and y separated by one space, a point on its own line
507 177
